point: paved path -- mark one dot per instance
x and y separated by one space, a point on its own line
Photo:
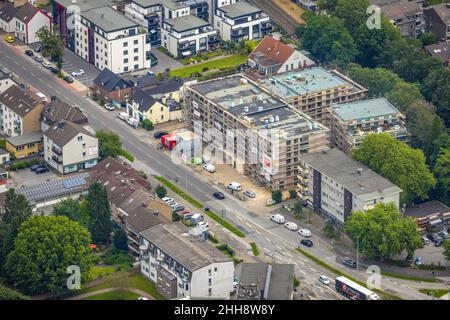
94 293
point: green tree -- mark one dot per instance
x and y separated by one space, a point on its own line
73 210
399 163
436 88
447 250
161 191
404 94
442 173
428 38
99 211
379 81
298 209
17 210
277 196
52 45
352 13
45 246
120 240
383 232
109 144
147 124
10 294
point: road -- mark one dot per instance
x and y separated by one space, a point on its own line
273 240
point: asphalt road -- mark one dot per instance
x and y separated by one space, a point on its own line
273 241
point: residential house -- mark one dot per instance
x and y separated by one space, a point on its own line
7 17
408 16
4 156
182 265
351 122
69 147
57 110
264 281
5 82
188 35
440 50
437 20
241 21
274 57
334 185
20 111
24 146
112 88
429 215
29 20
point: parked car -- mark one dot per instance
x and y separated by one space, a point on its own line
46 64
68 79
173 204
178 208
123 116
219 195
38 58
38 49
42 170
291 226
35 167
132 122
9 39
439 243
424 240
278 218
349 263
307 243
196 218
324 280
305 233
78 73
210 168
203 224
109 107
443 234
167 200
29 53
418 261
159 134
205 158
54 69
249 194
433 237
234 186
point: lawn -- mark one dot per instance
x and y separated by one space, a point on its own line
101 271
435 293
114 295
225 63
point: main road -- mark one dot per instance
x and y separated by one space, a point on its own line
272 239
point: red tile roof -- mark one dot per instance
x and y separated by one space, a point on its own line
271 52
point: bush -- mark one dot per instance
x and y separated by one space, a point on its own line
23 164
254 249
161 191
277 196
205 69
102 102
292 194
175 217
212 237
115 257
227 249
147 124
95 97
296 282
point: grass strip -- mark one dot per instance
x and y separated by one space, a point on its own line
254 249
435 292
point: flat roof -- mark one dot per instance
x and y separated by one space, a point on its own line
186 23
372 108
108 19
244 99
302 82
338 166
147 3
173 4
426 209
86 4
239 9
25 139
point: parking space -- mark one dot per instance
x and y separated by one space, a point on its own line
27 177
164 62
72 63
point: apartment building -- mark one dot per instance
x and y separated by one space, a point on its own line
258 133
108 39
313 90
182 265
172 9
69 147
188 35
147 13
5 82
440 50
408 16
334 185
20 111
7 17
29 20
57 110
351 122
437 19
241 21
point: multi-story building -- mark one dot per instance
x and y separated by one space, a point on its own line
313 90
108 39
29 20
5 82
188 35
69 147
172 9
351 122
258 133
184 266
440 50
334 185
57 110
241 21
24 146
407 16
7 17
20 111
437 20
147 13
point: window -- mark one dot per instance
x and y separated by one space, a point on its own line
125 44
125 69
80 138
125 60
84 154
136 42
125 53
136 58
136 50
136 66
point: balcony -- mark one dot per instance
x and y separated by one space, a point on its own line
57 159
57 150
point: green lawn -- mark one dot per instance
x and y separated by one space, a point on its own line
101 271
228 62
436 293
114 295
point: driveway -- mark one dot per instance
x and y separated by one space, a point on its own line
73 62
164 62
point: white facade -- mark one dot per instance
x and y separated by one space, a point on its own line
11 122
26 31
8 27
5 84
137 13
297 60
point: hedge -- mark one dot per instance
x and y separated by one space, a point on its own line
127 155
23 164
254 249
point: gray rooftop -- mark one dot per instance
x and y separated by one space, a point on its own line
338 166
108 19
186 23
147 3
86 4
372 108
239 9
190 251
303 82
174 5
25 139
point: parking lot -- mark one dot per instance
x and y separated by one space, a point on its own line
72 62
26 177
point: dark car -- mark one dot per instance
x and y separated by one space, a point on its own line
159 134
29 53
349 263
307 243
68 79
178 208
38 49
438 243
54 70
433 237
42 170
218 195
35 167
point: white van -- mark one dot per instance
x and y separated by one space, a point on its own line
123 116
305 233
210 168
234 186
42 96
278 218
206 158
